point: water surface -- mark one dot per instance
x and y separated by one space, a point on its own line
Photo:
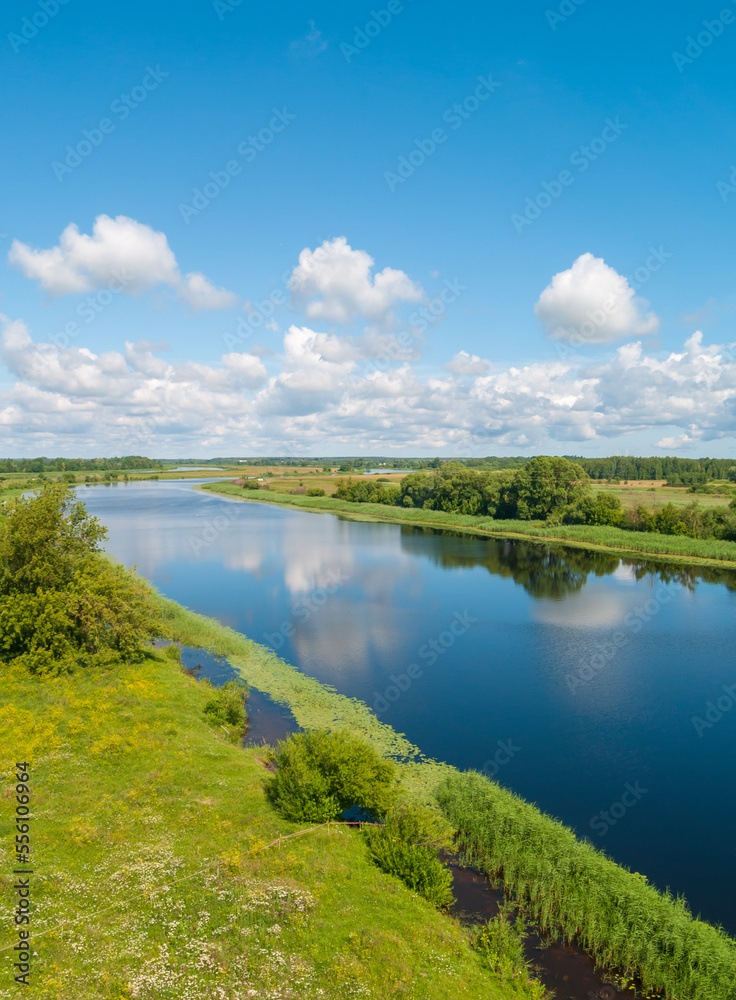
590 685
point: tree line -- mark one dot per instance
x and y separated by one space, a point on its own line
44 465
677 471
550 489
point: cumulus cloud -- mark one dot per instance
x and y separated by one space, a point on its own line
593 303
320 397
463 363
121 253
336 283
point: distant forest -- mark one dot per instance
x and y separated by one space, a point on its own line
686 471
677 471
43 465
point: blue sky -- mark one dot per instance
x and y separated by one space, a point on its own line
584 141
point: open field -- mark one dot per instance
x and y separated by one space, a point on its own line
667 548
654 494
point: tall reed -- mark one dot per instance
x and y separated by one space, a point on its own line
571 889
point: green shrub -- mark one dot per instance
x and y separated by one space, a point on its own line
251 484
320 774
418 867
226 709
46 538
405 846
315 491
501 943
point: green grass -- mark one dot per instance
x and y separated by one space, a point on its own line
672 548
150 874
151 878
567 884
655 497
570 888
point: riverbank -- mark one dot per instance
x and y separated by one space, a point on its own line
669 548
665 946
158 869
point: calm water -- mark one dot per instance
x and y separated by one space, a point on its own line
574 678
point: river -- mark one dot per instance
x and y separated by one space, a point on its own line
604 690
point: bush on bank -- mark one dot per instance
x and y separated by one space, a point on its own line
406 845
320 774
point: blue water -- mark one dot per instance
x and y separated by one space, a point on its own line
579 680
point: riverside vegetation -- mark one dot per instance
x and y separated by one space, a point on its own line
159 869
155 874
571 513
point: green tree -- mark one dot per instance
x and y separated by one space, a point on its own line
61 602
45 540
545 486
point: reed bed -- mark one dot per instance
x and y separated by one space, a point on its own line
570 889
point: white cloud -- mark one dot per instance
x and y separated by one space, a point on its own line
463 363
593 303
335 283
121 253
320 398
311 45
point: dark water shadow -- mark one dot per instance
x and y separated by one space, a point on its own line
268 722
562 968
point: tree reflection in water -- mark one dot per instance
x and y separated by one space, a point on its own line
545 571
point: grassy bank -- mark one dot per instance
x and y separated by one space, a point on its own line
671 548
570 888
152 878
567 885
313 704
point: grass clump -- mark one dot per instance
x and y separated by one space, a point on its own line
501 943
569 888
226 709
320 774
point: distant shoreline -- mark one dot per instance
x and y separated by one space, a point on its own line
670 548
